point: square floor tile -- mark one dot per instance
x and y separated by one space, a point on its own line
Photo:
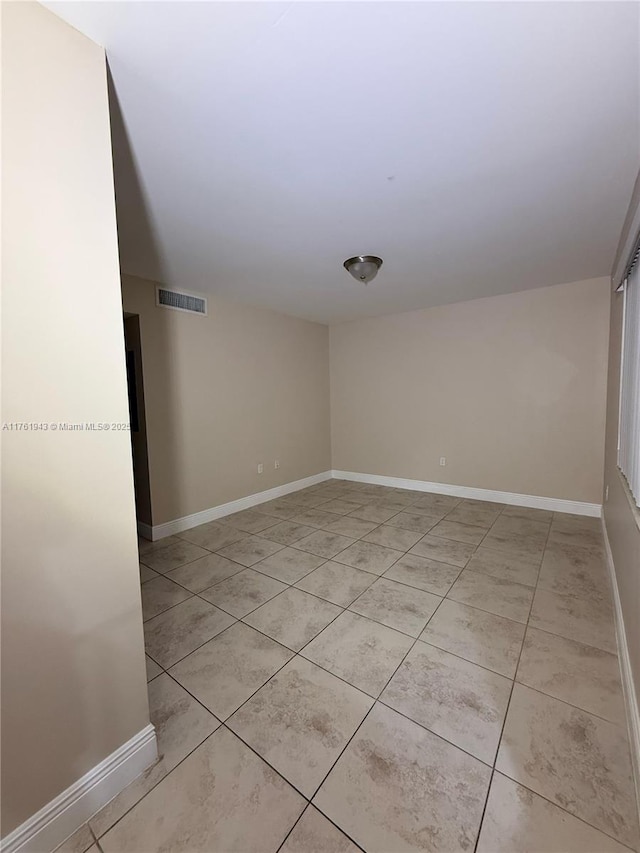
224 672
308 500
352 496
528 512
410 495
397 606
279 508
249 520
147 574
572 758
392 537
250 550
444 550
165 559
362 652
423 573
397 503
435 504
461 702
507 567
518 536
398 787
413 521
341 507
586 620
478 516
159 595
578 674
173 634
517 819
287 532
504 598
300 722
355 528
574 571
181 724
213 535
483 638
580 537
152 668
337 583
221 798
483 505
571 523
459 532
374 513
535 532
314 518
324 544
146 546
289 565
293 618
313 833
368 557
79 842
242 593
204 572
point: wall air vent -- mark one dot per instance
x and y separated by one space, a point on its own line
181 301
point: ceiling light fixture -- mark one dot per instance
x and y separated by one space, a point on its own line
363 267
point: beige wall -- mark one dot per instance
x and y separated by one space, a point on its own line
73 682
225 392
621 520
510 389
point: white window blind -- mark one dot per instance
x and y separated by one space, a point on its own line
629 428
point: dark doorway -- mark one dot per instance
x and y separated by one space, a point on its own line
137 418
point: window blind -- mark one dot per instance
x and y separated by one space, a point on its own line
629 426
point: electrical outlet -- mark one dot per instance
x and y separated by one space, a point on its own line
606 493
443 461
276 464
260 467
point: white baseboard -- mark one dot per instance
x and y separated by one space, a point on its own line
178 525
626 672
554 504
56 821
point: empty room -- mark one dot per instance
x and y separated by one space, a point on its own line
320 427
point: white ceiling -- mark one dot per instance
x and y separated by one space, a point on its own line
478 148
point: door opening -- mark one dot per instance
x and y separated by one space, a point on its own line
137 418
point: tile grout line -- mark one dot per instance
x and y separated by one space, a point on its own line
495 768
153 787
415 639
306 809
291 585
375 701
373 705
508 705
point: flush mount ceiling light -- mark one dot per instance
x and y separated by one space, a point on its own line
363 267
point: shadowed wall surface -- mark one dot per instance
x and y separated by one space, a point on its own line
73 672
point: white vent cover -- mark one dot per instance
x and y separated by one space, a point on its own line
181 301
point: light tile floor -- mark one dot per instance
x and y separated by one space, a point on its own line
358 667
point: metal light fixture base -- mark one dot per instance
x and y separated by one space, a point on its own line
363 268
